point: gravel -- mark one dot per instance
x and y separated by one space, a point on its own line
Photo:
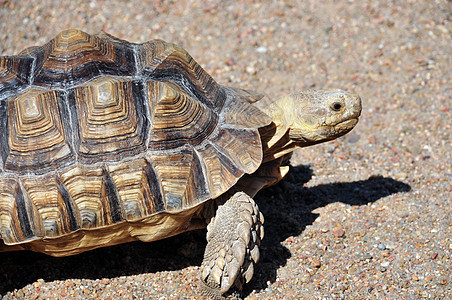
367 216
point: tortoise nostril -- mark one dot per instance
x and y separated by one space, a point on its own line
336 106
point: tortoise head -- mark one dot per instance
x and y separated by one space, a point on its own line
315 116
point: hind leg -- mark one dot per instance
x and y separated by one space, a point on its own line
233 238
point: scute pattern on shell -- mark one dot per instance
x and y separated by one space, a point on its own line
104 141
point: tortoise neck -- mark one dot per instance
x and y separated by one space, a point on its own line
275 137
275 148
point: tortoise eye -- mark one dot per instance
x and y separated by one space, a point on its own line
336 106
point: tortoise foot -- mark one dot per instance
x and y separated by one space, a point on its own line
233 239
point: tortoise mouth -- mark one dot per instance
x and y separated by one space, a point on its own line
343 127
350 123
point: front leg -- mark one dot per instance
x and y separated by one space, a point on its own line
233 238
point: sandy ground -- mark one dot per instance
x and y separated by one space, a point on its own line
365 217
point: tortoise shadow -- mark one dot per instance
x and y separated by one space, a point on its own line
294 204
288 207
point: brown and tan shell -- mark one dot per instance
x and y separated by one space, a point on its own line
104 141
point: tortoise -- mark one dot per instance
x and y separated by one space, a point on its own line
103 142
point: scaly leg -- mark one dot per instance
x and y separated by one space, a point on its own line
233 239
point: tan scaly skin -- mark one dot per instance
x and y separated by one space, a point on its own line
234 234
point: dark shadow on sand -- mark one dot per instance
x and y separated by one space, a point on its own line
287 208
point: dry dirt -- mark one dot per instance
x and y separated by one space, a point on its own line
365 217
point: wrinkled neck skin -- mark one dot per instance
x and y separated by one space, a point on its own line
275 137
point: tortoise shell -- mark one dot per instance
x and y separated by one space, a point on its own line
103 141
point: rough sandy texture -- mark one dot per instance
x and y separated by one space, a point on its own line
365 217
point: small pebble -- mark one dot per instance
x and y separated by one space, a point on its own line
385 264
400 175
365 256
338 232
353 138
381 247
251 70
305 277
261 49
424 294
315 262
